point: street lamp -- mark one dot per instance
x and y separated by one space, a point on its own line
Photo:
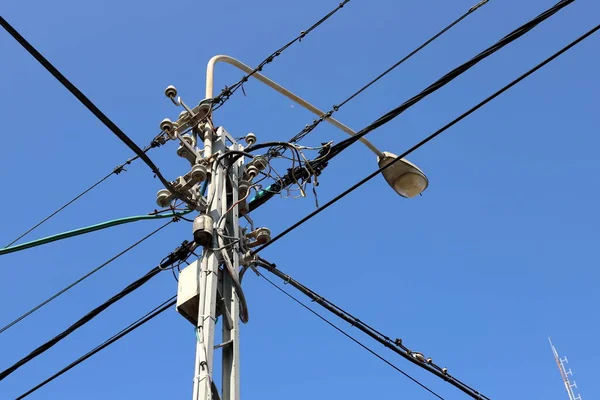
404 177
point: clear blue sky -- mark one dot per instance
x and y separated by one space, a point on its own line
499 253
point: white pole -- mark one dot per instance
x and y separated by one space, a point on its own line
208 281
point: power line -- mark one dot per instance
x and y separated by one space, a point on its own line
335 108
331 152
228 91
180 254
156 142
427 139
415 357
349 336
78 281
93 109
141 321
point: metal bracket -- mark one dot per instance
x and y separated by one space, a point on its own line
227 343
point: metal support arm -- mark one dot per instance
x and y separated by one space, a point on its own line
273 85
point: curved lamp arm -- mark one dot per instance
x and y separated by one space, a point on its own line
210 70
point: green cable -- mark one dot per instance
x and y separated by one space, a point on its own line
88 229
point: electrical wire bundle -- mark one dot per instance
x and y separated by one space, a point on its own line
335 150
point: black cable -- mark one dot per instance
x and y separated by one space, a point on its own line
228 91
349 336
427 139
78 281
335 108
116 171
94 109
141 321
450 76
333 151
173 257
395 346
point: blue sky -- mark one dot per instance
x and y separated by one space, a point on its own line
499 253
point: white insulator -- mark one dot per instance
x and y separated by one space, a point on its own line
171 91
250 139
199 173
166 125
163 198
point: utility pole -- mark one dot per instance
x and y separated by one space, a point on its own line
217 294
209 288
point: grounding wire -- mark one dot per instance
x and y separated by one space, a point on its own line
428 138
84 277
179 254
347 335
229 90
335 108
141 321
94 110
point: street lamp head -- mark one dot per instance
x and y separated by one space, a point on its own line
404 177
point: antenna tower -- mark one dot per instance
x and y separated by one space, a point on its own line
569 385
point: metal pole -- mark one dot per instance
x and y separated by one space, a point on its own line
217 294
208 281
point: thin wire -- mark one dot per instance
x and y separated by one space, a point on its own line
84 277
59 209
116 171
228 91
335 108
93 109
348 335
141 321
428 138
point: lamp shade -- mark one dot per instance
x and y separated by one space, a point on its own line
404 177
